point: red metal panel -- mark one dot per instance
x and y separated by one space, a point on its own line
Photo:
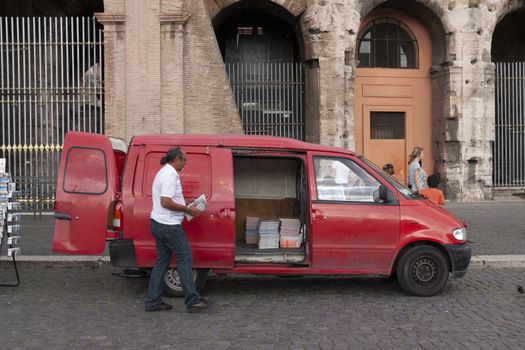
209 171
86 187
352 235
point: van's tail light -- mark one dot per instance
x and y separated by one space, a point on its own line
118 222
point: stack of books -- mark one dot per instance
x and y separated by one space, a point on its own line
252 230
269 234
291 236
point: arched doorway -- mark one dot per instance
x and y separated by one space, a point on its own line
508 54
393 96
262 55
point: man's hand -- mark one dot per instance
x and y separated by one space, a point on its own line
193 211
168 203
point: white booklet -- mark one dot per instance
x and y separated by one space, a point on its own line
199 203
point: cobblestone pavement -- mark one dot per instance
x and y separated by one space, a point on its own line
89 308
497 228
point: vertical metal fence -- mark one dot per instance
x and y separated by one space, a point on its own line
50 83
270 97
509 146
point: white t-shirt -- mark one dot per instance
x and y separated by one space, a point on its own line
167 184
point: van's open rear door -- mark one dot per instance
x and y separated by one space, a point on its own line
86 187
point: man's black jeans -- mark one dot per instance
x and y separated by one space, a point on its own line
171 238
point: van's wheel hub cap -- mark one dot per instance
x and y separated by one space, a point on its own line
173 279
424 271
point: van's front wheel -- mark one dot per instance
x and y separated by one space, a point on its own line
173 286
423 271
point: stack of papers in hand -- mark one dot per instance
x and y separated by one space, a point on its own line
252 230
200 203
269 234
291 236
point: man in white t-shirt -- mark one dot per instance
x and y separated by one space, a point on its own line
167 214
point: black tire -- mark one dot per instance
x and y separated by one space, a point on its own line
173 287
423 271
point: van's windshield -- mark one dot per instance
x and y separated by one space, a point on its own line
406 192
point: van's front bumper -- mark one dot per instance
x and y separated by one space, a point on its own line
460 255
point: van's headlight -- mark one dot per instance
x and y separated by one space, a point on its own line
460 234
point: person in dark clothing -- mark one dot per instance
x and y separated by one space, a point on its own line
388 168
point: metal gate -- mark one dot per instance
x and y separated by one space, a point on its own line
270 97
51 83
509 146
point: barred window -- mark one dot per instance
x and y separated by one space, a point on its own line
387 125
387 43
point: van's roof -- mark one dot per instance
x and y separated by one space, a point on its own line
234 141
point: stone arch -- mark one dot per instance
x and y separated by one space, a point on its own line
286 10
431 17
293 7
261 44
429 13
502 11
508 37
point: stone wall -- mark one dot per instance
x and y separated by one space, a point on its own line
164 73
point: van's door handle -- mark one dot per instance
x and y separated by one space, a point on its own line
317 215
62 216
227 213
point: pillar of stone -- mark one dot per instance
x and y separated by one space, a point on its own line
469 125
329 30
209 106
115 122
172 66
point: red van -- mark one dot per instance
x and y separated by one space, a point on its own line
353 218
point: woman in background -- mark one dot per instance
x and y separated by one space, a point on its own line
417 177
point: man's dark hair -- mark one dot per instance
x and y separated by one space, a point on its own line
433 181
171 155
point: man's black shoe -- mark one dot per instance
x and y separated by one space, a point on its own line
161 307
198 305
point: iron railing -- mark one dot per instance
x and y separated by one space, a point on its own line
51 82
509 144
270 97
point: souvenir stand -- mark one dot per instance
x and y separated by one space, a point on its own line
9 221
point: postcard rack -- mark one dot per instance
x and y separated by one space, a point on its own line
9 221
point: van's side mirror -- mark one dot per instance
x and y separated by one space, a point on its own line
384 195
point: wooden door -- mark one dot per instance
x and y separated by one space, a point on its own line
393 106
387 130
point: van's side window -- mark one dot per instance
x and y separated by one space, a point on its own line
195 176
85 171
340 179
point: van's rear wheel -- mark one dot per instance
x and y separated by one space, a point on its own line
173 287
423 271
